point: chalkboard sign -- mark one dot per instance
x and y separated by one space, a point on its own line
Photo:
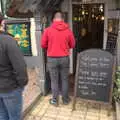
94 77
113 27
111 43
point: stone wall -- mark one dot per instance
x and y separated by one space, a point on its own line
32 90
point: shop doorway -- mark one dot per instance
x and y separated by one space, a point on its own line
88 27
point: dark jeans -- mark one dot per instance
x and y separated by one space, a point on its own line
11 105
59 69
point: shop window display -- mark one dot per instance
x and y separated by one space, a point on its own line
21 33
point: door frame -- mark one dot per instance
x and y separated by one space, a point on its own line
71 3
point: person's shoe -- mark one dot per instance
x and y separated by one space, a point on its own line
53 102
66 101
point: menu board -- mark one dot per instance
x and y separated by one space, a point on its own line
113 27
94 75
111 43
21 33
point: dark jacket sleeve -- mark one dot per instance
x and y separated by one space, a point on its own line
17 60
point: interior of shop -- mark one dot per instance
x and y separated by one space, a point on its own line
88 27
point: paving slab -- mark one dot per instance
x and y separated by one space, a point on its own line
84 111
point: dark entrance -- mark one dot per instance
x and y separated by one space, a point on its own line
88 27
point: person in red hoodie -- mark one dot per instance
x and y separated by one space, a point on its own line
58 39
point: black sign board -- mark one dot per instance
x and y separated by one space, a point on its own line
113 27
111 43
94 77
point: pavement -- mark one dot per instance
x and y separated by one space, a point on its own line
84 111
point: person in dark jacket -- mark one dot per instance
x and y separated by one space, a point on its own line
84 41
13 77
58 39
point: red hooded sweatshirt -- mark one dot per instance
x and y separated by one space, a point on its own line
58 39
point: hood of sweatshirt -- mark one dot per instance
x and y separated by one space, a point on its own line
60 25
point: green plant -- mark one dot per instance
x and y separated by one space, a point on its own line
116 91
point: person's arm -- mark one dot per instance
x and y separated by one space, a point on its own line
17 60
71 40
44 40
